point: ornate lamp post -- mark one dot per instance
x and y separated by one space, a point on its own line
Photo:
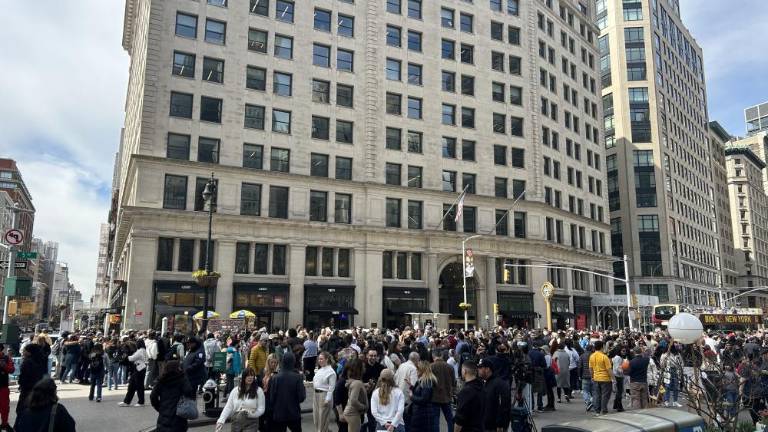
209 280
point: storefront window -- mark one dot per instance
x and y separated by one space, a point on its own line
178 301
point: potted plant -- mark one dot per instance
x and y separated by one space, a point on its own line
206 279
465 306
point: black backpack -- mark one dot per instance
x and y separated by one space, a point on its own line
97 362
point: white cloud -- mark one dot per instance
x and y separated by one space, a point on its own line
63 89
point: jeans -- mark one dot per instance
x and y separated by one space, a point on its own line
70 369
113 375
283 426
603 391
673 389
586 391
97 378
732 397
527 397
448 413
136 385
619 398
400 428
150 376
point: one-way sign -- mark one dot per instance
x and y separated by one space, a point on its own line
17 264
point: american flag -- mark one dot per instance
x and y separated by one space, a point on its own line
459 208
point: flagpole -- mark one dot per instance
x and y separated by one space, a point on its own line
463 192
519 197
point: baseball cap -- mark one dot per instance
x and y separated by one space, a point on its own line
485 363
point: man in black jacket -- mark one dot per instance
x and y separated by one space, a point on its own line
470 401
286 393
497 401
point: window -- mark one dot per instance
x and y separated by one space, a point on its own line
393 213
322 20
469 222
448 49
446 17
281 121
516 126
513 7
278 202
515 95
342 209
321 91
345 95
393 6
449 147
215 31
497 92
414 108
633 10
346 26
175 192
520 225
449 217
186 254
414 40
250 199
513 35
284 11
279 160
466 23
186 25
518 157
343 168
177 146
254 117
282 84
497 31
242 257
499 155
414 74
514 65
318 206
414 9
393 70
284 47
467 117
499 123
414 176
260 258
467 150
393 174
257 40
260 7
394 138
468 182
518 189
208 150
165 254
318 165
414 141
394 104
468 85
320 127
394 36
345 60
449 181
255 78
253 156
183 64
210 109
496 5
213 70
502 223
279 256
449 81
467 54
344 131
181 105
415 214
321 55
449 114
500 187
497 61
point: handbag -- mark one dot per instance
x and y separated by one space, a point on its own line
187 408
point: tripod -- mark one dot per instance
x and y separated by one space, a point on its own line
522 417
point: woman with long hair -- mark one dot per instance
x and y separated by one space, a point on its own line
171 385
672 372
245 405
425 415
42 406
388 403
269 371
357 403
324 383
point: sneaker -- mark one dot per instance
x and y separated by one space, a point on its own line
98 400
123 404
677 405
138 404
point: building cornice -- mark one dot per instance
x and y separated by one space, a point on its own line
129 21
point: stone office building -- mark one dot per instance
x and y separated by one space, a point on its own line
340 133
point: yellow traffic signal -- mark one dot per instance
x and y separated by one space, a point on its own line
506 275
495 308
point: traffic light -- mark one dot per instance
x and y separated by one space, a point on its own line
495 308
506 275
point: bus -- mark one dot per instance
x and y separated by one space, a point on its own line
663 312
711 318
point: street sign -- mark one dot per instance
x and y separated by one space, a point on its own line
14 236
17 264
26 255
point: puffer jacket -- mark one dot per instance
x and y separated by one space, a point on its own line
164 398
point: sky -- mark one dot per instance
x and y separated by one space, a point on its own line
64 78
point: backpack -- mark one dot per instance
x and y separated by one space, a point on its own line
96 363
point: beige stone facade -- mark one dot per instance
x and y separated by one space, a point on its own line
718 139
336 216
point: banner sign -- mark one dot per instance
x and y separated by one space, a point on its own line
225 324
718 319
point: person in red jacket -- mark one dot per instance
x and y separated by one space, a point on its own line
6 368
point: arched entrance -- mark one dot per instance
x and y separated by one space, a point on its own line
452 292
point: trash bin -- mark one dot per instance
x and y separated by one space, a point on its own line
647 420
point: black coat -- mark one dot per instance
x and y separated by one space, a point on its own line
497 403
469 403
287 392
194 366
424 414
164 398
38 420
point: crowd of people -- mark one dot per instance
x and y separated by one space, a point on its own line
394 380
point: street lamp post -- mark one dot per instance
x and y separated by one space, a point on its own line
208 193
464 275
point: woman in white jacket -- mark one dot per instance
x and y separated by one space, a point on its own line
245 405
136 384
388 404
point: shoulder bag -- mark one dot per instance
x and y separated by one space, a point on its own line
187 408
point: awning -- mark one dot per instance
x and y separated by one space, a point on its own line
334 310
405 310
257 309
566 315
521 315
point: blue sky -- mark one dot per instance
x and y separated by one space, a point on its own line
65 76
